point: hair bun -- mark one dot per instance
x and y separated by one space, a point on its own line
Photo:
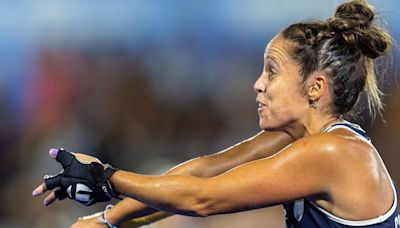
355 13
353 21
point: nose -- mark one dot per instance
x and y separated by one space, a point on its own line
259 85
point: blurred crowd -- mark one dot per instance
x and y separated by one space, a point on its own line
103 102
143 109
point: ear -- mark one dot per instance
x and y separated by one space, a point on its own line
317 85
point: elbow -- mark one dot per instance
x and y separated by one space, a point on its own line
195 199
197 205
195 167
202 208
202 214
205 205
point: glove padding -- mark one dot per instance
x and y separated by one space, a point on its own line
87 183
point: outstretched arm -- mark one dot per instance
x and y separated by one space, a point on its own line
299 170
262 145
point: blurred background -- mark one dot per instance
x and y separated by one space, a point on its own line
145 85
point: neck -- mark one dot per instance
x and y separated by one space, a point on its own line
310 126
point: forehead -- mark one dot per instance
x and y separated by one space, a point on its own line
278 48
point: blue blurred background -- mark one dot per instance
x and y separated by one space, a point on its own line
145 85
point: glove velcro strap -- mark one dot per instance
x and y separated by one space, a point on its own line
109 171
103 173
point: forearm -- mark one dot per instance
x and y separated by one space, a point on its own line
128 209
177 194
140 213
132 209
263 144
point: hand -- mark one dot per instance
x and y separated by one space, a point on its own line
91 221
83 178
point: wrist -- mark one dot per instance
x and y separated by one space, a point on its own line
114 216
112 180
104 218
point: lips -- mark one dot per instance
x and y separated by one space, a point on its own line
260 106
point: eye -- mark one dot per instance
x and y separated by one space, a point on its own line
271 72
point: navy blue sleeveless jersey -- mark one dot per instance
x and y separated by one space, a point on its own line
305 214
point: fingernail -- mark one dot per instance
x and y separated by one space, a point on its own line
46 203
34 193
53 152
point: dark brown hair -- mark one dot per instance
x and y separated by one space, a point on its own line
344 47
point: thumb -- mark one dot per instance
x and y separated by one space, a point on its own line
53 153
64 157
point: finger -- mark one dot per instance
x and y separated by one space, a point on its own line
98 214
60 194
53 152
50 199
62 156
52 182
39 190
86 159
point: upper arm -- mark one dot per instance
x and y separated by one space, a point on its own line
263 144
301 169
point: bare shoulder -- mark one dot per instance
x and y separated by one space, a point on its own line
333 154
346 161
340 143
320 145
320 154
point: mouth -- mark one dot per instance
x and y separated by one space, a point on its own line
260 106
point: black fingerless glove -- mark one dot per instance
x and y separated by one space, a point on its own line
87 183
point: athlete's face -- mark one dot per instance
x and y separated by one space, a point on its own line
280 95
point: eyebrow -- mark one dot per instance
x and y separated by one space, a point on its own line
272 59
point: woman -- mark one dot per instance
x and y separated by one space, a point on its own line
323 169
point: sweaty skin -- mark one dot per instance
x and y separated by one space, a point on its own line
315 166
261 145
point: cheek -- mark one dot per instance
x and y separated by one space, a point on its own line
288 101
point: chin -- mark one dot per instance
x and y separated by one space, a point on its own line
270 126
